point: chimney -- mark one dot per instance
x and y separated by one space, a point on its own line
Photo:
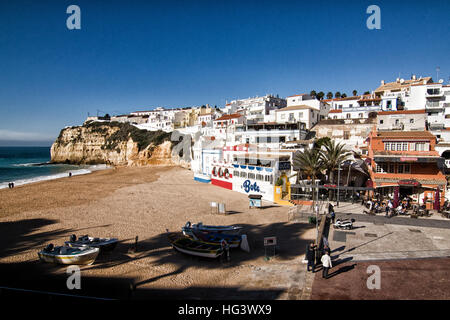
398 80
413 77
382 82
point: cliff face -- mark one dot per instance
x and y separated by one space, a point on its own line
114 144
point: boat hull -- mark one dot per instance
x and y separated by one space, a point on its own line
232 230
104 246
233 241
195 247
83 258
211 255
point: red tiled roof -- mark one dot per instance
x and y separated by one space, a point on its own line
297 95
402 112
336 111
405 134
229 116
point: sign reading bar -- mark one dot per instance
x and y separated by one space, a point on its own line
414 183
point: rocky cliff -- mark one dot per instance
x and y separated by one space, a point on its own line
113 143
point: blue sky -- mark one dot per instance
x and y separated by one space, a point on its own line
135 55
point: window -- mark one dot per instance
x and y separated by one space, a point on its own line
251 175
243 174
387 146
268 179
236 173
407 168
391 168
382 167
400 168
420 146
381 121
348 115
259 177
346 135
411 120
404 146
360 115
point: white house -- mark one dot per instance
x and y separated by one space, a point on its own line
257 108
301 113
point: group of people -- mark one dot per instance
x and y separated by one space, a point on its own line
11 185
387 207
325 259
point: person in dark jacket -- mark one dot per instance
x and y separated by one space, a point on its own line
331 212
310 256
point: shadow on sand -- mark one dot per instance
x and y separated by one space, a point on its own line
33 275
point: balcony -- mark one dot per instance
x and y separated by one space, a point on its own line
434 105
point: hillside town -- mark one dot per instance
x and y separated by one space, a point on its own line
396 141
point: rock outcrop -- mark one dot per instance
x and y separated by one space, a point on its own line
113 143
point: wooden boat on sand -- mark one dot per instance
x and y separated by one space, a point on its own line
196 247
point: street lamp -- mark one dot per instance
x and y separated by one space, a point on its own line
316 208
339 178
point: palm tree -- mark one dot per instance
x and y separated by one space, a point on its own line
332 155
310 162
355 92
344 95
320 95
337 94
320 142
329 95
313 93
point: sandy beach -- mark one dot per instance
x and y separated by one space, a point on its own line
144 202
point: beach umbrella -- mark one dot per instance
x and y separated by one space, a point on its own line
396 191
437 202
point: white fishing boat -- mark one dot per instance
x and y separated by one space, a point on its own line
69 255
104 244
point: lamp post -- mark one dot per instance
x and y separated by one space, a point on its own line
316 208
339 178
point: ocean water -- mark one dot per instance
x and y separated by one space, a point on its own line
23 165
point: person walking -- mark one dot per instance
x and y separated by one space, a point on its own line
326 264
331 212
310 256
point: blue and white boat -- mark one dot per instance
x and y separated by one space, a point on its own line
232 230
